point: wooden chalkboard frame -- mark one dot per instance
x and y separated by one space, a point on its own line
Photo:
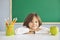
22 22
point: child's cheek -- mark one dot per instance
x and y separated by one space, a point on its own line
30 24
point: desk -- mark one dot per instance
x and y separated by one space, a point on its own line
29 37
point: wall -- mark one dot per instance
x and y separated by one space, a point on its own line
4 13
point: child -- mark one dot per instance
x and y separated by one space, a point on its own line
33 22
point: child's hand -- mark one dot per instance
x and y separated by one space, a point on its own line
30 32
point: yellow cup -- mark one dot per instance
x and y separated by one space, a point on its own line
10 30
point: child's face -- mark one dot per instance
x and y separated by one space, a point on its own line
34 24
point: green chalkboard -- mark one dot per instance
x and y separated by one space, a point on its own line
48 10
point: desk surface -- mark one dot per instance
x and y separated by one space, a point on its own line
41 36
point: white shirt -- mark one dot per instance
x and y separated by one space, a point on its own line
43 30
23 30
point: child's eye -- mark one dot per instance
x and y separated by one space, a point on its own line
31 21
35 21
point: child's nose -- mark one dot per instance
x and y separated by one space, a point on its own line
34 23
